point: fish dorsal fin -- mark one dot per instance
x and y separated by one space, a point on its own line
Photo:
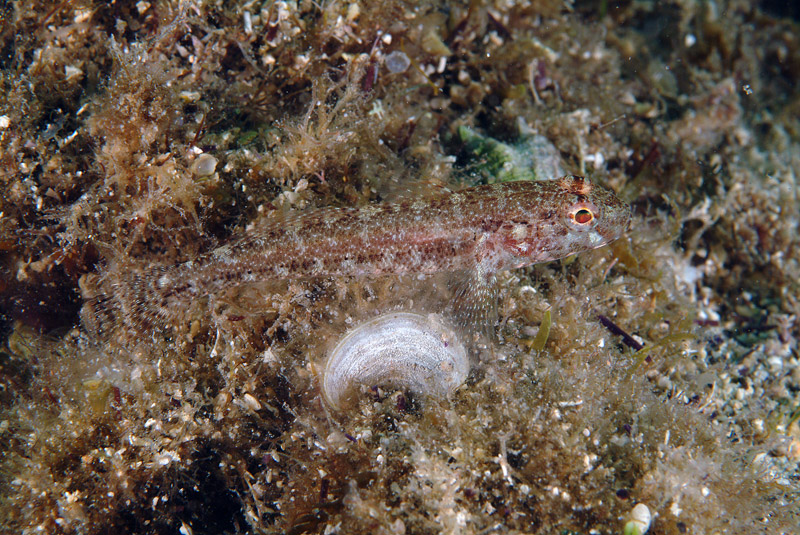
395 191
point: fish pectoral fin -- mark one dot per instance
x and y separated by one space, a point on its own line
474 301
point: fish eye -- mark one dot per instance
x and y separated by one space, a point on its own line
583 214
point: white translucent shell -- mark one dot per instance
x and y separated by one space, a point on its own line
638 520
403 350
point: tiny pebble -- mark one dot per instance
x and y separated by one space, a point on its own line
397 62
204 165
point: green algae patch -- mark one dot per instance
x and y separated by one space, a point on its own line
543 333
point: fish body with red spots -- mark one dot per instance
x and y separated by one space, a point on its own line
478 231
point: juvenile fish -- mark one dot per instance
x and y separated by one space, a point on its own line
475 232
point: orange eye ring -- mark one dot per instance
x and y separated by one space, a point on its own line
583 216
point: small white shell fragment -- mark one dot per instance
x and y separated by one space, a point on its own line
248 23
404 350
353 11
397 62
204 165
72 73
638 520
251 402
190 96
